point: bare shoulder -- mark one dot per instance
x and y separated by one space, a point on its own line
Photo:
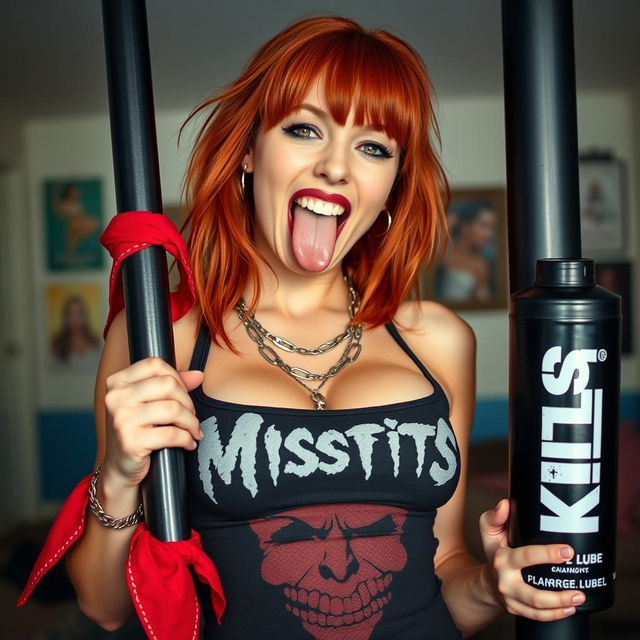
436 325
442 340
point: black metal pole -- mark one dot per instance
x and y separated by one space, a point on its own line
145 279
542 173
541 135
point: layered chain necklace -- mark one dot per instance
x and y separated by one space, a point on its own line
350 336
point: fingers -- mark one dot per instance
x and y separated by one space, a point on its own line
529 555
539 604
524 600
493 528
191 379
162 387
497 517
545 599
156 438
141 370
149 408
543 615
166 412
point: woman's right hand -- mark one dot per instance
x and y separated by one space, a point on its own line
148 408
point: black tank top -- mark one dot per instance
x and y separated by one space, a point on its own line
320 523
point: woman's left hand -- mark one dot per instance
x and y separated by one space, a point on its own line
503 570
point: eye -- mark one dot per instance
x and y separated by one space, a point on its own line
297 531
375 150
386 526
301 131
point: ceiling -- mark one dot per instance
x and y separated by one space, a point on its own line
53 60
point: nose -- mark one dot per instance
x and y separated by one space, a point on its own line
333 164
338 563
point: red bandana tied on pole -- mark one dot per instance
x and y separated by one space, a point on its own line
158 575
133 231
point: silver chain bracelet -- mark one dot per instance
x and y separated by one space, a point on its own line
104 518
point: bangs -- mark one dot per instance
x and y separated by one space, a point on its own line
385 94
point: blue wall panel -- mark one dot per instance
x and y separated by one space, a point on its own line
67 448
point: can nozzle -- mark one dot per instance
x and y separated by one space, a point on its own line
563 272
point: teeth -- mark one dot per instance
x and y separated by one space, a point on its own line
320 206
368 598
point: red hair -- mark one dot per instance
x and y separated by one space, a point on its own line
385 81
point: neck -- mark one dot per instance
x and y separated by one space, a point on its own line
297 294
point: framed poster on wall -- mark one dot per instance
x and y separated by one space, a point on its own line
74 339
473 273
602 205
73 222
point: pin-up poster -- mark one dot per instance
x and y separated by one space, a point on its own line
73 222
73 327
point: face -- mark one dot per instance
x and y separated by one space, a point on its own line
75 315
318 186
481 230
334 564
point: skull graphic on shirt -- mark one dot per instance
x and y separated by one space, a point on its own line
335 564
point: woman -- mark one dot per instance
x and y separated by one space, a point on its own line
465 273
75 345
315 197
80 224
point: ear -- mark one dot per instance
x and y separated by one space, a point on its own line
247 162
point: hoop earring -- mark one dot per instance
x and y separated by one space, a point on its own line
389 221
244 170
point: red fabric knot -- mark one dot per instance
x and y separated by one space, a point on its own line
66 529
161 585
157 572
132 231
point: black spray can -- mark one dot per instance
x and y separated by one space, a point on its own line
563 440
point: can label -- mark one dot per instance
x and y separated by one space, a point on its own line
559 464
570 508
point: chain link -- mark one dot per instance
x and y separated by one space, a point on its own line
246 314
352 334
104 518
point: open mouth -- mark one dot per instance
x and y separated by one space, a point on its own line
322 204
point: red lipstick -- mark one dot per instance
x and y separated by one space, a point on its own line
334 198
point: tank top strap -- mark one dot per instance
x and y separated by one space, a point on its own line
201 350
395 334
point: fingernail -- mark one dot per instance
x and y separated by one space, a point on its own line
201 433
566 552
194 444
497 506
578 598
569 610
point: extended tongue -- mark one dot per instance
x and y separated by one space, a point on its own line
313 238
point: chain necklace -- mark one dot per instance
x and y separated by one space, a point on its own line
352 335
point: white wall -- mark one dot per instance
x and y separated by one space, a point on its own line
473 153
81 148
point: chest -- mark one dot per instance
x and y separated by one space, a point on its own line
382 374
258 460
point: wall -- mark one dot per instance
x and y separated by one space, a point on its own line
473 153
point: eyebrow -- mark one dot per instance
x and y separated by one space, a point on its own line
321 113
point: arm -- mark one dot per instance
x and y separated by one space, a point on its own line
475 593
449 347
125 395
